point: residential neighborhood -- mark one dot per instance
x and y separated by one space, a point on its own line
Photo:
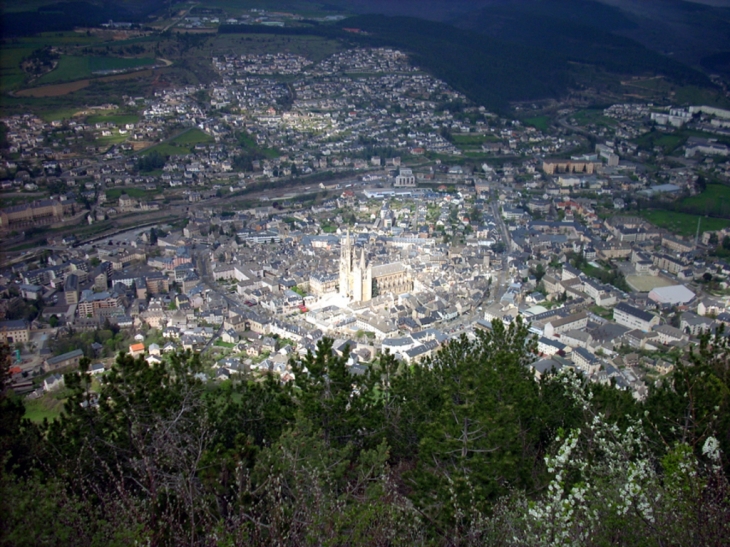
400 245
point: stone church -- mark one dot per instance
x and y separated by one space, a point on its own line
359 278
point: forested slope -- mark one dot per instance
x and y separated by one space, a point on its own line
466 448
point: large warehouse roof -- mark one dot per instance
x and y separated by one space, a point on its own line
675 294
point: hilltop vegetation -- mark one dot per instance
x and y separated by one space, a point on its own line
466 448
60 15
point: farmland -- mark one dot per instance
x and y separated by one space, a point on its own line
72 68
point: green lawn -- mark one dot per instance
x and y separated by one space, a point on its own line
181 144
538 122
682 223
669 142
191 138
118 119
47 407
592 116
469 139
59 114
11 75
696 95
714 195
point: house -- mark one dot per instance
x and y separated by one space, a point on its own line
668 334
153 360
229 336
96 369
586 361
542 366
53 382
70 359
634 318
695 325
549 347
14 331
575 321
136 349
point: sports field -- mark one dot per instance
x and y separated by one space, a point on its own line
645 283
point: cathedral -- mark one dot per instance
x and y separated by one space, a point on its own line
358 277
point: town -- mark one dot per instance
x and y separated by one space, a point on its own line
359 199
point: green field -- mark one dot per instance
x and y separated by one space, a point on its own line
467 139
118 119
669 142
72 67
682 223
191 138
592 117
47 407
713 196
538 122
58 114
11 54
11 75
180 145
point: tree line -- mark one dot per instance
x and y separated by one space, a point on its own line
464 448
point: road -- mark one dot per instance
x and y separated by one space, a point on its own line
203 267
176 21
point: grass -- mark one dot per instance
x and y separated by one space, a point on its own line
682 223
592 117
11 75
191 138
468 139
58 114
714 194
180 145
222 344
11 54
602 312
72 67
538 122
118 119
47 407
696 95
669 142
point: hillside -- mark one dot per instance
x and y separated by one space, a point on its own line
579 32
21 20
466 448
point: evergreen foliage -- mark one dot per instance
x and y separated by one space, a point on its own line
463 448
